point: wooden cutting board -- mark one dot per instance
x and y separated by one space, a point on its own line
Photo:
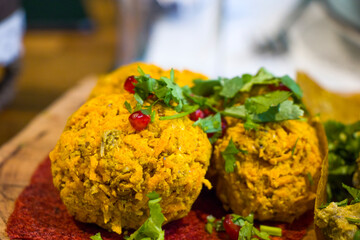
20 156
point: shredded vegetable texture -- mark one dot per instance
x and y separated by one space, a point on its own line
273 106
344 149
151 229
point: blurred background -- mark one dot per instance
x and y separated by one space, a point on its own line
47 46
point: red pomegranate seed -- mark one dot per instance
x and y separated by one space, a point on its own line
207 112
129 84
280 87
231 228
197 114
139 121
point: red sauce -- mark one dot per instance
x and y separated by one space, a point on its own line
40 214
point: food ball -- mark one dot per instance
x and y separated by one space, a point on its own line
104 168
276 170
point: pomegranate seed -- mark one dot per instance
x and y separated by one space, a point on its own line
129 84
197 114
231 228
207 112
139 121
280 87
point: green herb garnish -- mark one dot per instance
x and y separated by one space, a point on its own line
293 150
96 237
220 94
344 149
273 231
229 156
311 181
151 229
210 124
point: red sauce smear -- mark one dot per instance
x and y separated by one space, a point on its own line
40 214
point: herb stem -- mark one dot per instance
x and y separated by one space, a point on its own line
273 231
183 114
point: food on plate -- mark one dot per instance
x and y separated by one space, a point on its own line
142 140
275 171
104 167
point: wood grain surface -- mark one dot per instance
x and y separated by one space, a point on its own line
21 156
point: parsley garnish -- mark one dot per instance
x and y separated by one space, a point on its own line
229 156
151 229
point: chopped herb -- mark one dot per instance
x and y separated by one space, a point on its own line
353 220
128 106
355 193
210 218
273 231
293 150
261 77
339 204
246 231
204 87
344 149
180 115
263 103
357 235
311 181
229 156
96 237
153 115
151 229
292 85
209 228
261 235
210 124
231 87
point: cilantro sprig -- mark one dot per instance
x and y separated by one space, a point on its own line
151 229
221 96
229 156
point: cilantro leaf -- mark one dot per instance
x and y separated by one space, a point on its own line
262 103
339 204
355 193
229 156
231 87
151 229
96 237
188 110
261 77
128 106
292 85
210 124
286 110
235 111
245 232
204 87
